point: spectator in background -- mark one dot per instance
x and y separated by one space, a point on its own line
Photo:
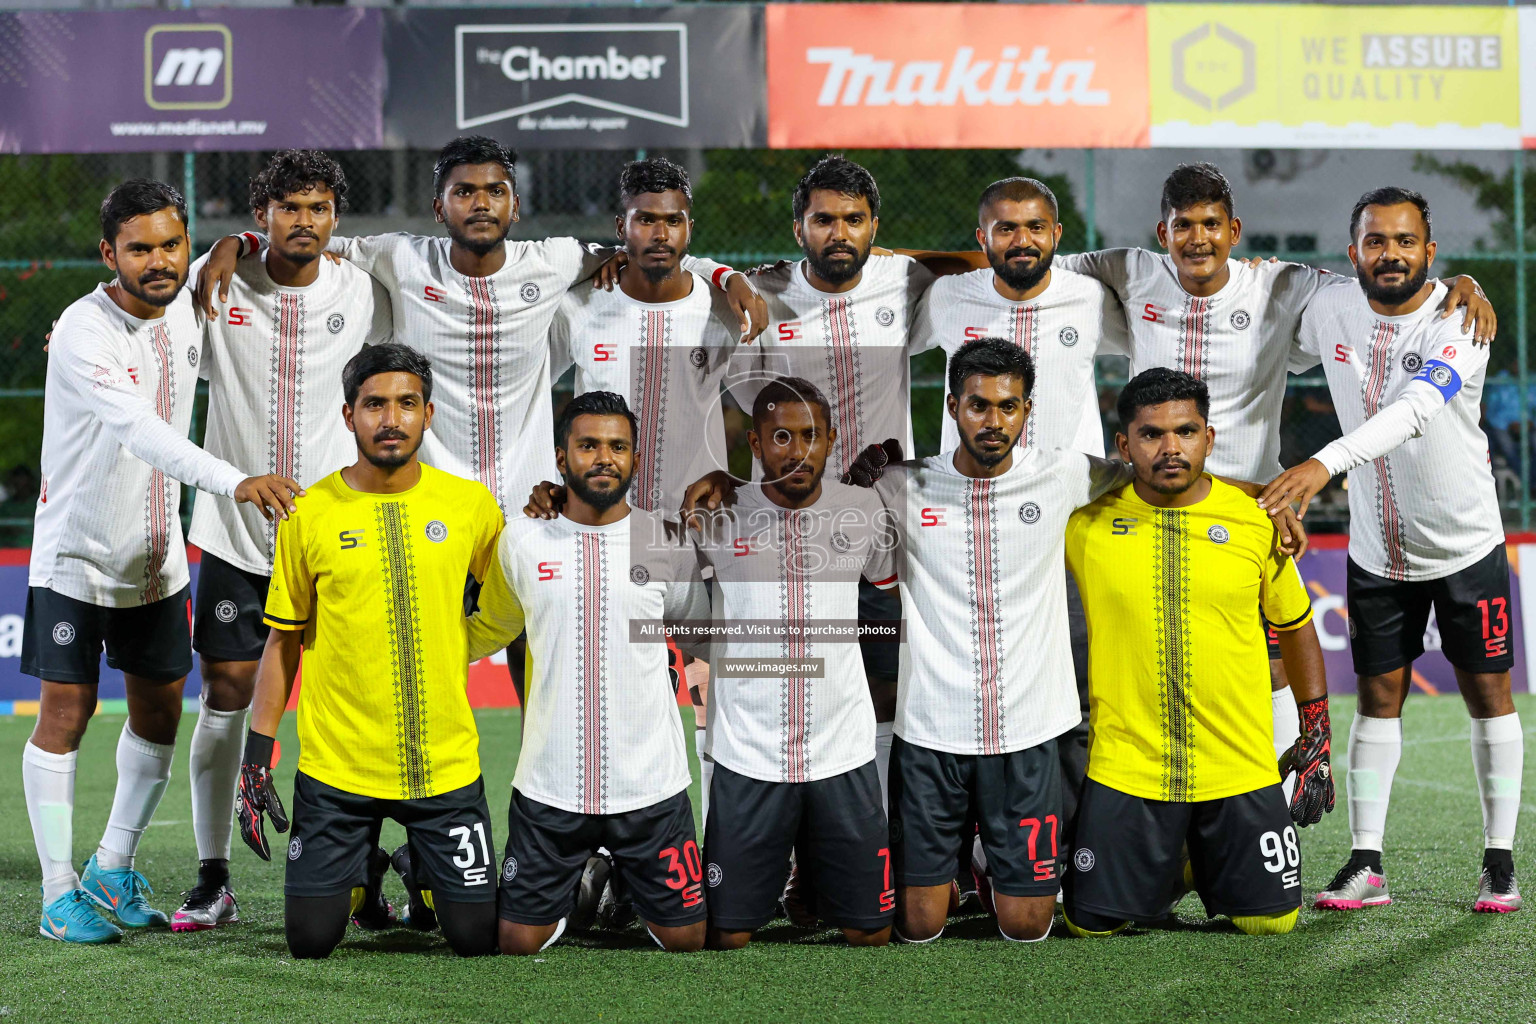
1501 418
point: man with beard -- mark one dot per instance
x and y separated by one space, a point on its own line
603 762
368 586
1176 569
273 364
109 566
1425 532
791 724
1063 321
986 684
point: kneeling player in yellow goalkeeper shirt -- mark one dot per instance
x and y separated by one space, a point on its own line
1175 569
368 583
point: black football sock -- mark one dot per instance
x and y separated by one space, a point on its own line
1367 859
1499 858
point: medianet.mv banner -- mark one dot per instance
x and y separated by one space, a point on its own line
581 78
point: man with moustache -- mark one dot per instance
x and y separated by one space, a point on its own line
109 566
273 364
791 724
986 686
1175 570
1425 533
603 762
368 586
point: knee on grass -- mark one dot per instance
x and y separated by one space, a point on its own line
1267 924
515 939
314 926
688 938
470 928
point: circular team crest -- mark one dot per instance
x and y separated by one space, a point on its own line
63 634
225 611
335 322
840 541
1440 376
192 355
1083 859
896 830
639 575
715 874
295 848
698 357
509 869
436 532
1412 362
1029 512
529 292
1218 533
885 316
1067 336
1241 320
1351 629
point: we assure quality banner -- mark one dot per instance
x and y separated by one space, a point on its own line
129 81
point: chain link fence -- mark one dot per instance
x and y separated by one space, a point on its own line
1293 203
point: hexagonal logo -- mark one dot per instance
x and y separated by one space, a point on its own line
1199 77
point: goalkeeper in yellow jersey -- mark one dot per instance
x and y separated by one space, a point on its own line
368 582
1175 570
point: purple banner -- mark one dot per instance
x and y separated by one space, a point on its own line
131 81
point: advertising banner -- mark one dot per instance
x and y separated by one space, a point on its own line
586 77
131 81
1323 568
1350 78
956 75
1528 79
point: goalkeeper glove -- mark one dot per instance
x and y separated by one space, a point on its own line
258 795
871 463
1308 758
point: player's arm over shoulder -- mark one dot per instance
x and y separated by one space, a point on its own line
498 618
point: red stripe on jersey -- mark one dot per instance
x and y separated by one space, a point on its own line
796 606
285 384
485 385
157 509
650 399
593 637
984 608
1373 390
1193 337
1025 326
844 396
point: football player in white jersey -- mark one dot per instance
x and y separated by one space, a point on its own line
987 686
273 363
603 762
1425 532
791 725
109 566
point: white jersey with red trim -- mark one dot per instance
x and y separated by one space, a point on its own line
987 666
853 345
1428 508
796 707
1238 341
117 407
273 359
488 339
668 360
1063 329
601 734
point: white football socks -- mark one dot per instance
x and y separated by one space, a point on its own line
1375 747
706 773
1498 757
49 783
218 742
143 771
1287 728
884 733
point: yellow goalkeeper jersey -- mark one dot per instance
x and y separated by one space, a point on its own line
377 583
1178 674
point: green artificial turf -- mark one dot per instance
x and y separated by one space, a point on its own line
1426 958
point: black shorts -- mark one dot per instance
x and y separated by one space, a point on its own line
62 638
333 834
1127 863
654 850
882 657
837 829
227 620
1015 798
1472 608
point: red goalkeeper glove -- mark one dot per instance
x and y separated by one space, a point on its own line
871 463
258 795
1308 758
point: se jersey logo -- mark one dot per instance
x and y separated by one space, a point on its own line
932 517
432 294
1124 526
351 539
549 571
604 352
239 317
791 331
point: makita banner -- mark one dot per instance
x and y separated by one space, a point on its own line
131 81
956 75
589 78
